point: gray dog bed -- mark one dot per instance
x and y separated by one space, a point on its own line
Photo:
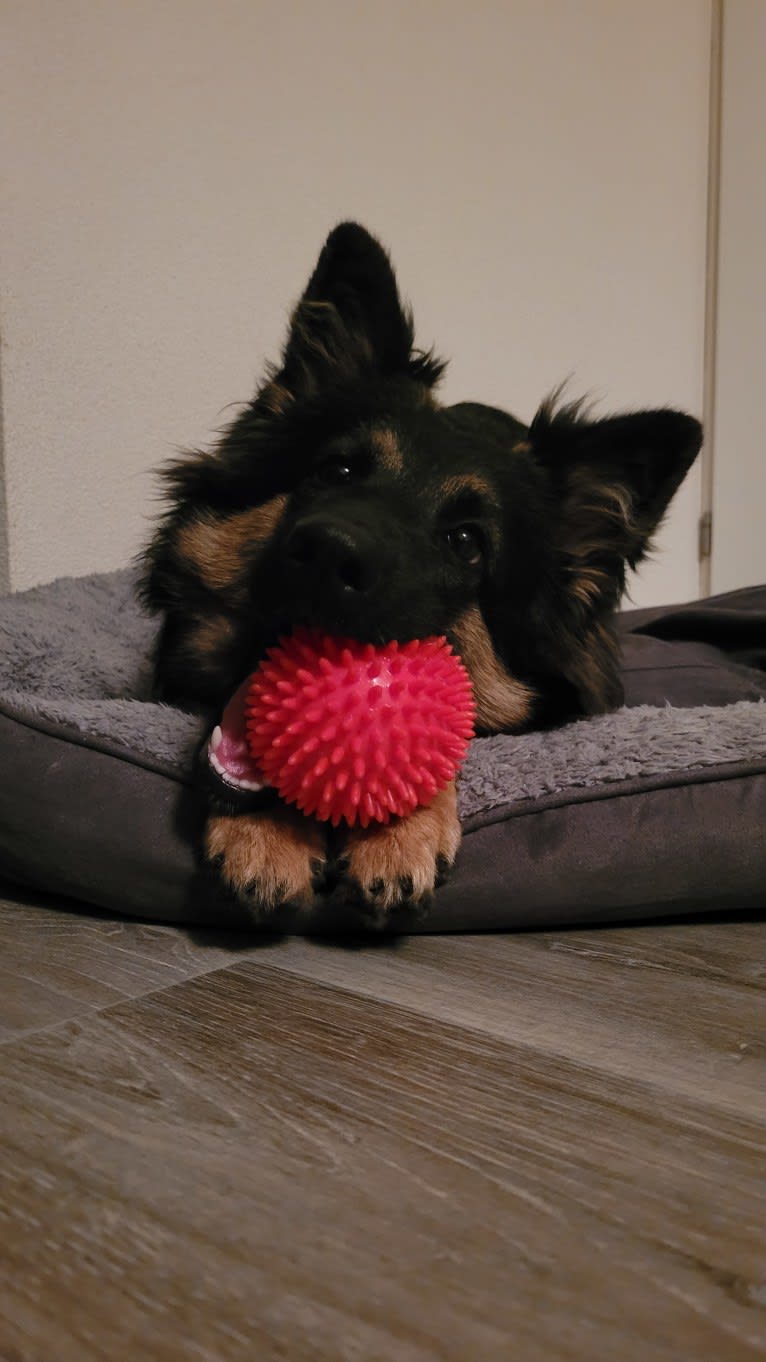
658 808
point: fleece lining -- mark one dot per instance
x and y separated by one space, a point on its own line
75 657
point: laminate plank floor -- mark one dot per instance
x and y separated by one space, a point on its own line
472 1148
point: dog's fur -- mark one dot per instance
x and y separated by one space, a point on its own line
346 497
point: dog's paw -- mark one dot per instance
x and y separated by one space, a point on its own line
399 864
267 859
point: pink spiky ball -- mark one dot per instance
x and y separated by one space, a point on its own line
346 730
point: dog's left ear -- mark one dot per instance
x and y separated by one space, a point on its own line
611 483
350 324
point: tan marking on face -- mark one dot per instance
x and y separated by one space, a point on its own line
221 550
522 447
468 482
208 638
502 702
388 449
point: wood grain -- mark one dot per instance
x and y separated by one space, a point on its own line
253 1165
57 965
682 1006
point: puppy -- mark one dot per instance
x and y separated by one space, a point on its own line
345 497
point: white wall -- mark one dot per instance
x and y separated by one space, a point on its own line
739 491
5 567
536 166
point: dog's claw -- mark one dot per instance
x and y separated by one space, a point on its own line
443 871
398 865
269 860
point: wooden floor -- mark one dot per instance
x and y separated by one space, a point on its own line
524 1147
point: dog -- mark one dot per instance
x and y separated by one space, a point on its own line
346 497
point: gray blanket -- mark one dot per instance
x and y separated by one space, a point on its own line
74 658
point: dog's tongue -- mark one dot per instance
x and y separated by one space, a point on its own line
228 752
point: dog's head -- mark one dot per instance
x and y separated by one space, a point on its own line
344 496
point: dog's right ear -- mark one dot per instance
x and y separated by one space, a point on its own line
610 482
350 325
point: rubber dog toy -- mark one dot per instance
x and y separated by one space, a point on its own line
347 730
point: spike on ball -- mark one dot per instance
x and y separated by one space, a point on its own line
347 731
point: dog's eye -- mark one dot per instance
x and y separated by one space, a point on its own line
466 543
336 469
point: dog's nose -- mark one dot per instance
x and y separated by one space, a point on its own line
339 555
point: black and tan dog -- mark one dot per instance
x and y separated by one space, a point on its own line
346 497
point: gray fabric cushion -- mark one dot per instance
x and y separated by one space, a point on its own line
657 808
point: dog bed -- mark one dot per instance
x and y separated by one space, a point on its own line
656 809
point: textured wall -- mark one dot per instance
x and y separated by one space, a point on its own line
537 170
5 567
739 542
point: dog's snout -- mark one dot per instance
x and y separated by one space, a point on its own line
341 556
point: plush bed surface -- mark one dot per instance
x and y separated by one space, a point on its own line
97 798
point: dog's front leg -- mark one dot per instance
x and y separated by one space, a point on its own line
402 862
270 858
